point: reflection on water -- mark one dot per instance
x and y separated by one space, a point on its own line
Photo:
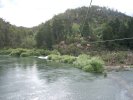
36 79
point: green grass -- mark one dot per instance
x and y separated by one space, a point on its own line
62 58
21 52
89 64
5 51
84 62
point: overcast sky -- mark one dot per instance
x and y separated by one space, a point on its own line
30 13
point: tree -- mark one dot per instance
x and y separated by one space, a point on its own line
85 30
130 34
57 29
44 36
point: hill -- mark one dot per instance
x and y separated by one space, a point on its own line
73 29
12 36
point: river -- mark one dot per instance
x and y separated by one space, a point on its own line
36 79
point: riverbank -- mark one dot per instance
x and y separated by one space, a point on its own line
21 52
119 59
83 61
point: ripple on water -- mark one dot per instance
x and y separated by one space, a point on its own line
35 79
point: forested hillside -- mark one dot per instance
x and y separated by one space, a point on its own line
12 36
70 30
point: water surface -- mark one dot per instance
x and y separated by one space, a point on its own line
36 79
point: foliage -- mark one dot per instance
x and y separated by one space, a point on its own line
12 36
68 59
71 49
75 28
25 54
29 42
114 58
86 30
20 52
63 59
44 36
81 61
97 64
102 24
55 52
43 52
5 51
94 64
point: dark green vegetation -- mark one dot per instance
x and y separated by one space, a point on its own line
65 32
14 37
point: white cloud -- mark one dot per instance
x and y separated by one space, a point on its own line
33 12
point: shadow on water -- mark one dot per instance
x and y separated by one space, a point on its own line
36 79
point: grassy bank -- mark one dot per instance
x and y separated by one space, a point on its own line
111 58
20 52
84 62
92 63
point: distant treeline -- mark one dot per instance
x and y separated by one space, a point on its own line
70 29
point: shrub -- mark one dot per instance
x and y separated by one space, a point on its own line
25 54
17 52
34 52
54 57
97 64
30 53
82 60
86 63
63 58
5 51
68 59
88 68
43 52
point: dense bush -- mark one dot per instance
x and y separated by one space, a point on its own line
68 59
43 52
89 64
25 54
56 52
97 64
62 59
84 62
21 52
17 52
30 53
54 57
5 51
88 68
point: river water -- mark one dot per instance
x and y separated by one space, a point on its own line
36 79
